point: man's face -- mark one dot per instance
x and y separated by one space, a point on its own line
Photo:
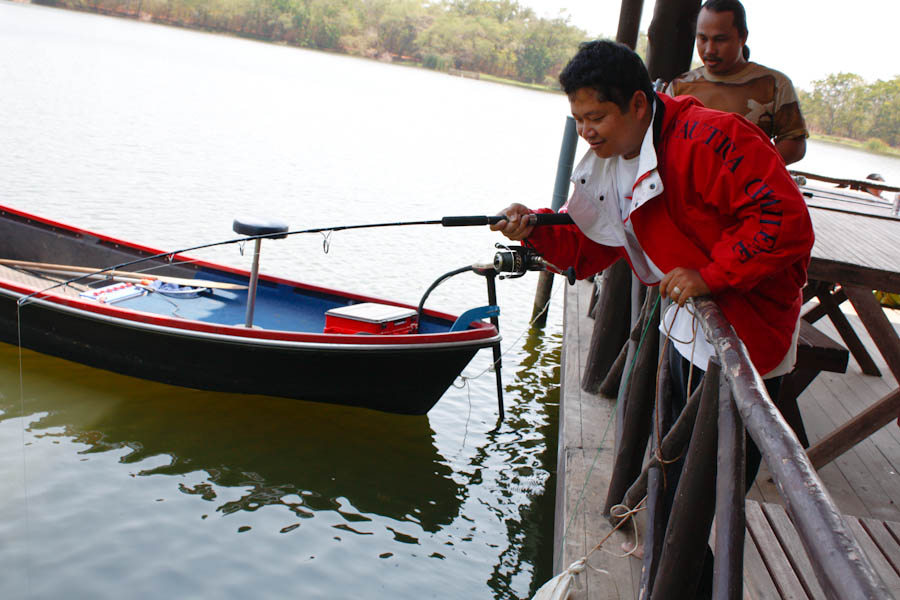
608 130
719 44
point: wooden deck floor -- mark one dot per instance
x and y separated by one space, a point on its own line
864 482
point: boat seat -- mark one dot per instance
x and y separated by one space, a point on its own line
256 226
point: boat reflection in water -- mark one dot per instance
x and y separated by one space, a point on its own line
306 456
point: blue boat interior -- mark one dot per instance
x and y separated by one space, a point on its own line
278 306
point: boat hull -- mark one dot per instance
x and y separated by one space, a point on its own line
394 373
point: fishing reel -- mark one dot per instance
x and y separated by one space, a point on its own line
517 260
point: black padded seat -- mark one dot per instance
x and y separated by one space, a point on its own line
255 226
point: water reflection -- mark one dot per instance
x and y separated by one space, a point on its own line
307 457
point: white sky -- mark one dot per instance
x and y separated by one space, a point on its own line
805 39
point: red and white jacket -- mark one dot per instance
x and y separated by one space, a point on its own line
713 195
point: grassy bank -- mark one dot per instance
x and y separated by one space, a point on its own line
879 148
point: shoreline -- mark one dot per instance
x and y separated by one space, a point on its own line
405 62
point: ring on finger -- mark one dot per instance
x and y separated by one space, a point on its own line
676 290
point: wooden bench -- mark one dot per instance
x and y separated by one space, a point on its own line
776 565
816 352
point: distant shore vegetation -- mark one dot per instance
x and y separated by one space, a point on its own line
494 37
496 40
844 105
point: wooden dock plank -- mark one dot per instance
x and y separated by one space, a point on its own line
863 483
881 565
585 467
794 550
758 584
777 563
882 537
862 465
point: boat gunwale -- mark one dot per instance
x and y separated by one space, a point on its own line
262 337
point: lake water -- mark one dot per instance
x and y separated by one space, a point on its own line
114 487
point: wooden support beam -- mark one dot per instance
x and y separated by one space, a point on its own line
814 314
673 444
629 22
671 36
845 329
610 384
728 580
685 548
657 515
855 430
611 324
640 392
880 329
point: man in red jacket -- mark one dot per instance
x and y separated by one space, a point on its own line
696 200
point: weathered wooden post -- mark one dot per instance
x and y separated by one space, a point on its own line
560 194
728 569
685 547
636 404
611 325
671 38
630 22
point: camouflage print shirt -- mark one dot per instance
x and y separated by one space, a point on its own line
762 95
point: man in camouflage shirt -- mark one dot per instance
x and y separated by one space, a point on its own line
727 81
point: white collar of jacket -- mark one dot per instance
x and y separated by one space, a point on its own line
594 206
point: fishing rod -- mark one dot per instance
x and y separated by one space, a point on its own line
537 219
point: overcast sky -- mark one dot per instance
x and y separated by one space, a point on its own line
805 39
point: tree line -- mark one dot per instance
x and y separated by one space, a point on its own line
495 37
845 105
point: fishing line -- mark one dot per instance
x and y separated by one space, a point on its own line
493 364
600 446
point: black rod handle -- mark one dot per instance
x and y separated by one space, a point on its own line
538 219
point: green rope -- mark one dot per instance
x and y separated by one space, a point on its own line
612 415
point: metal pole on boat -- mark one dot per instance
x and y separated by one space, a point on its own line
560 194
254 278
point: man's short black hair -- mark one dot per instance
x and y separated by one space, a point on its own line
614 70
733 6
737 10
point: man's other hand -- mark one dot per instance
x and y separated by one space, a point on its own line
517 225
679 284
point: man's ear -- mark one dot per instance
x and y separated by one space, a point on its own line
640 104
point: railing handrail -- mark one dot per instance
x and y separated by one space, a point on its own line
840 565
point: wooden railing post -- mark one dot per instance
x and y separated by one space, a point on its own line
637 405
657 515
728 569
840 564
611 324
685 548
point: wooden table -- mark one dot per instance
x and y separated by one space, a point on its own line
855 254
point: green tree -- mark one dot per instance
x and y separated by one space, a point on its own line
881 102
832 101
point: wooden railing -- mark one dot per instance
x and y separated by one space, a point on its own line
708 437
